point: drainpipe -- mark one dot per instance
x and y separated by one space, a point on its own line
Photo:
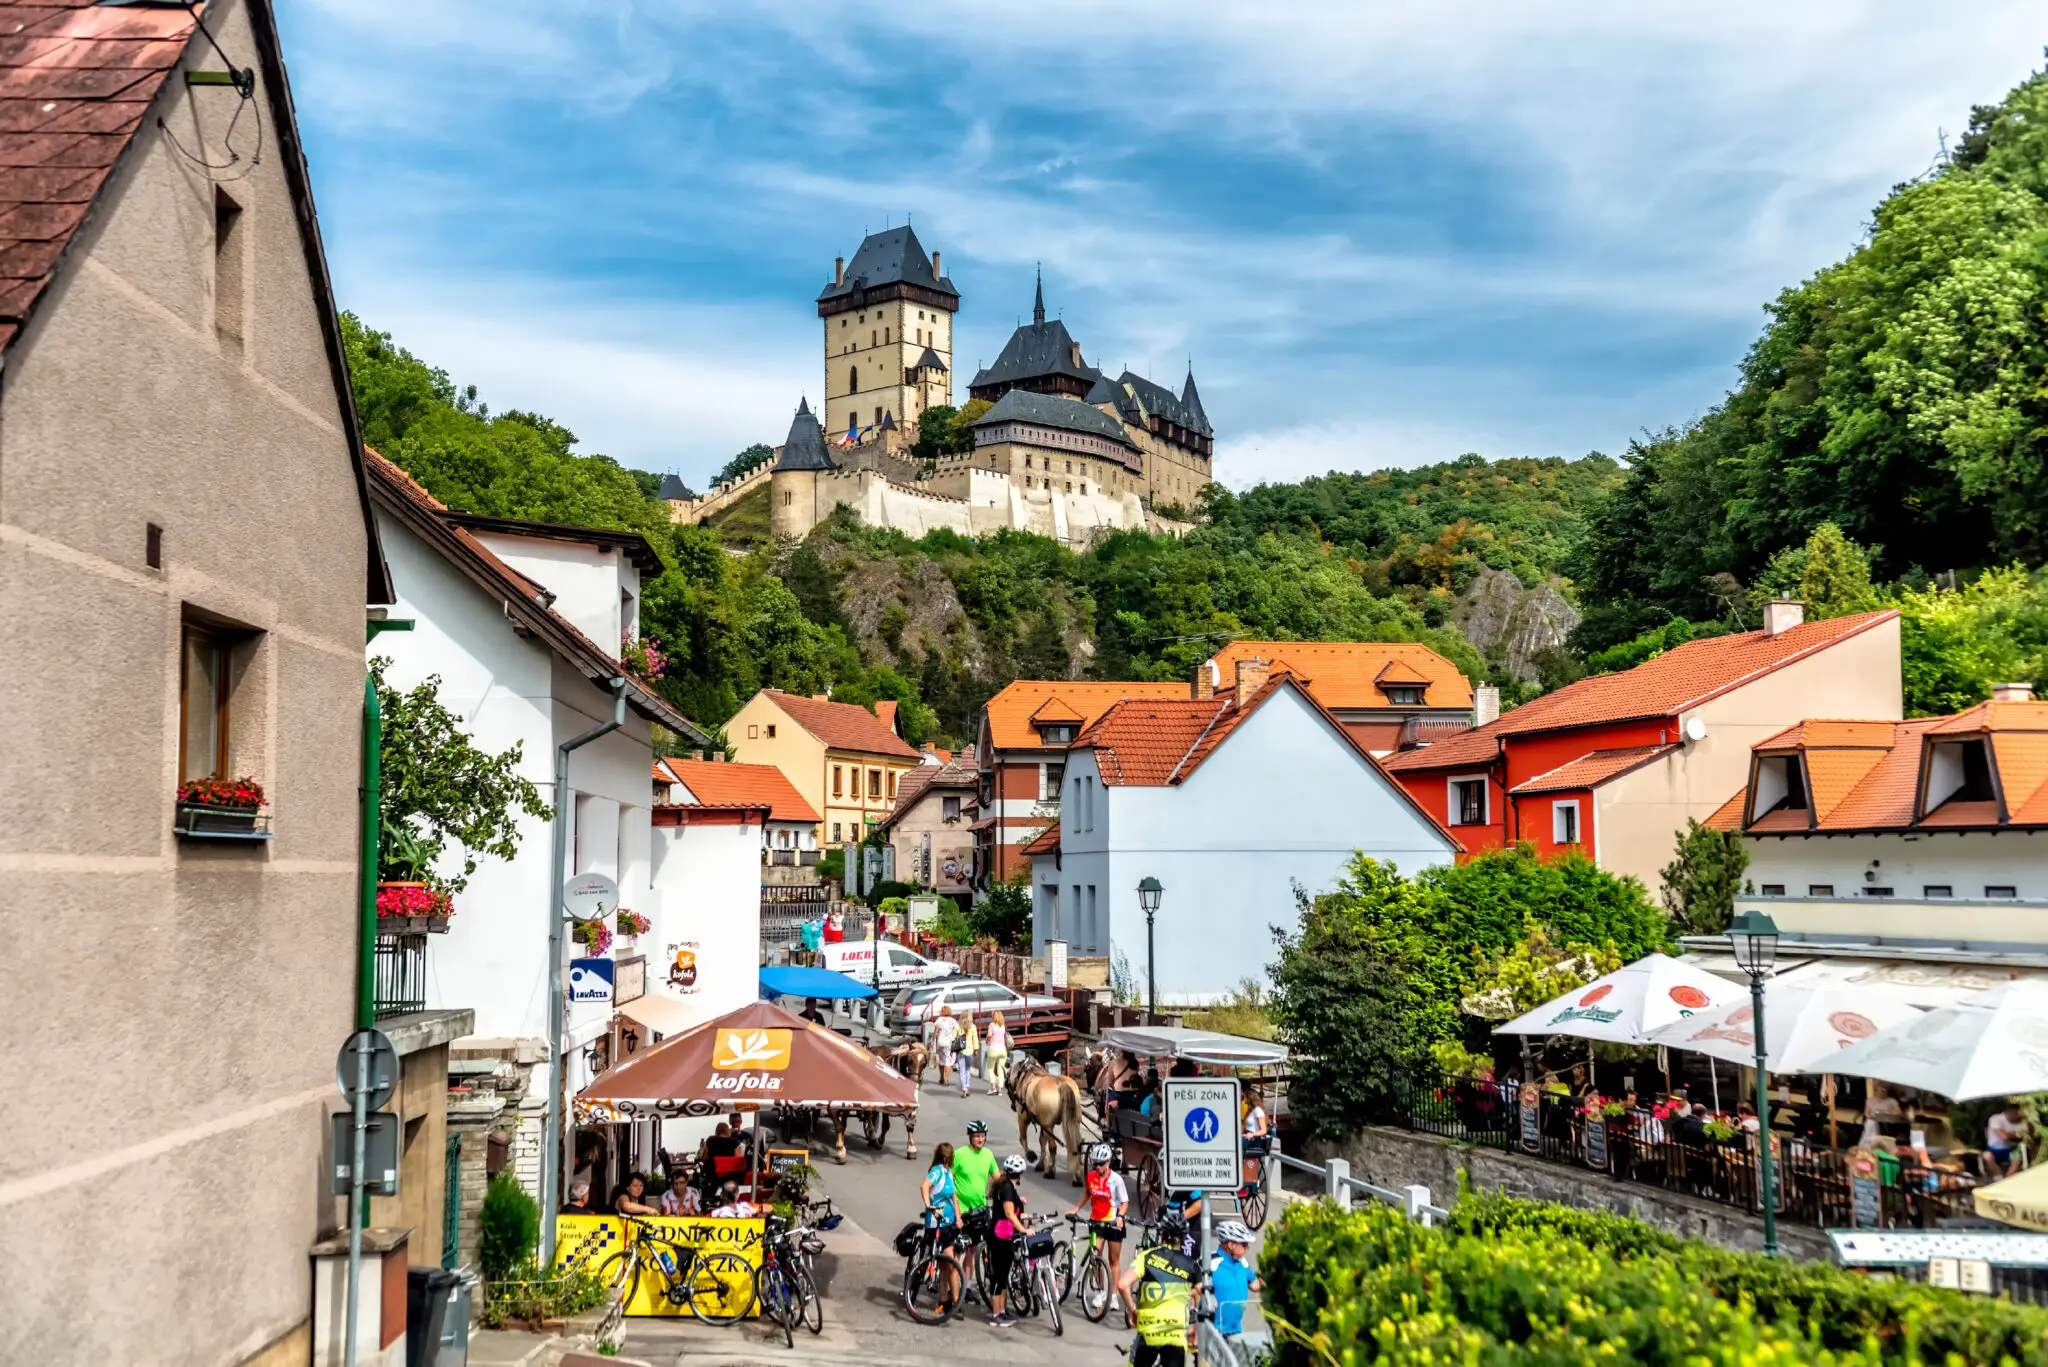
373 820
551 1136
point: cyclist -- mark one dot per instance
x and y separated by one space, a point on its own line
1164 1279
974 1167
1105 1202
941 1206
1007 1204
1232 1278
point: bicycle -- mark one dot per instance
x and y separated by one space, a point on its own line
1087 1266
1251 1197
782 1286
1035 1283
717 1288
932 1277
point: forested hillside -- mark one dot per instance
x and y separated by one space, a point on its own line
1885 445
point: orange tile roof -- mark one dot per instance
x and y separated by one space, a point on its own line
1838 734
1046 841
923 779
1057 710
1665 686
885 712
1346 676
841 725
1592 769
1009 712
715 783
1833 772
1728 816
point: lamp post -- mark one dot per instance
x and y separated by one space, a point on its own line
1753 938
1148 898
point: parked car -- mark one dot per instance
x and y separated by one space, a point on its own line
978 997
856 959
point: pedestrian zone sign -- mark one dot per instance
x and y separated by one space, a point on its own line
1201 1134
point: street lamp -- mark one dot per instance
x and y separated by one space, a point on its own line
1753 939
1148 898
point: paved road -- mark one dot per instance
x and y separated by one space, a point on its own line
862 1276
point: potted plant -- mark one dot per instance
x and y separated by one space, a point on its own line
409 896
631 924
641 655
226 806
595 936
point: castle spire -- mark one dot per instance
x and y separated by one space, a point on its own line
1038 303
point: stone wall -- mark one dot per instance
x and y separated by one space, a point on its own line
1398 1158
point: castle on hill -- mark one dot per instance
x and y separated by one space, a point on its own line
1063 450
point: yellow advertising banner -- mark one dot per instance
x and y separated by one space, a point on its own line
590 1241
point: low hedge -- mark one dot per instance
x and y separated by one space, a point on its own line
1514 1282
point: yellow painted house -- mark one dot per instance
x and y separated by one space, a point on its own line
843 759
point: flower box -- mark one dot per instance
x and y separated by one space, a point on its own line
404 907
412 925
202 821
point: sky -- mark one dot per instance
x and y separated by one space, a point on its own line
1384 234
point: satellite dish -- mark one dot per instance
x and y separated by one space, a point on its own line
1695 728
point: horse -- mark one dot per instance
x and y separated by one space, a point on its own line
910 1060
1047 1100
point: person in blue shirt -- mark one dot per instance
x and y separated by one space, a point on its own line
1231 1278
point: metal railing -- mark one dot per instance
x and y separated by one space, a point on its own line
1339 1185
400 977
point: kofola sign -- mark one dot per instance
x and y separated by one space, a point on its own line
748 1060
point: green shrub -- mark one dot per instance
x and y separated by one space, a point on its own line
508 1227
1510 1281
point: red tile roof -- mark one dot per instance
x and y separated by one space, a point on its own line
1009 713
76 80
1592 769
928 778
1046 841
1345 676
715 783
885 712
1665 686
842 725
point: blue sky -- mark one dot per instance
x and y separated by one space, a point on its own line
1387 233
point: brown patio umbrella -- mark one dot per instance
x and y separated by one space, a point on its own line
757 1057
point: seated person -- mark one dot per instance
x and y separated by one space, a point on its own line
731 1207
579 1200
631 1197
2004 1134
681 1198
720 1143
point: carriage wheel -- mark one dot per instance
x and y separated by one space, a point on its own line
1149 1194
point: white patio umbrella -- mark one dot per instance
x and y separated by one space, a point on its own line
1992 1044
1806 1024
1625 1006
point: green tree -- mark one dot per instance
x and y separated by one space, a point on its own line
1829 573
508 1227
440 788
1955 644
1701 881
1534 970
1004 913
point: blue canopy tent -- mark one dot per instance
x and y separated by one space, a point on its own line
798 981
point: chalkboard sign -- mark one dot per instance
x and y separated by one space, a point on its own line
1596 1143
781 1161
1532 1118
1866 1192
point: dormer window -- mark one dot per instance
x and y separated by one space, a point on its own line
1061 734
1957 771
1405 697
1780 785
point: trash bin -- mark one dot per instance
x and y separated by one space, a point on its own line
426 1311
455 1327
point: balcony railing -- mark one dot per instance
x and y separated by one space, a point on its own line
783 858
809 857
399 984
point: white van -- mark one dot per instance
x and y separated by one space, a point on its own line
856 959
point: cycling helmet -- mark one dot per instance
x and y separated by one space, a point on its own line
1172 1227
1101 1153
1232 1232
1015 1164
975 1127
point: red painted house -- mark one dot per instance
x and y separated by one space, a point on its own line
1613 765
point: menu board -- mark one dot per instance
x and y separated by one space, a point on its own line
1532 1118
1596 1143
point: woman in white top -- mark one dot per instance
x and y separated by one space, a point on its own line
996 1053
1257 1133
944 1031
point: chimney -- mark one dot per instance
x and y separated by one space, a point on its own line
718 756
701 755
838 270
2012 692
1251 677
1783 614
1205 681
936 272
1485 704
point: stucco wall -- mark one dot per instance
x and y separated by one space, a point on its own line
220 977
707 883
585 581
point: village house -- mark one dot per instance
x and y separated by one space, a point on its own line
932 828
1389 694
1230 799
186 555
1613 766
789 837
843 760
1926 837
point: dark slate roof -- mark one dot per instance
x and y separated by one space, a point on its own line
1138 396
1033 350
888 421
1103 392
890 257
805 448
929 361
1191 399
1054 410
672 486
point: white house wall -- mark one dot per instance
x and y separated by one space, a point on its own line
585 580
1285 800
707 886
1966 862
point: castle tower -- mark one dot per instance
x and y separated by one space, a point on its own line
888 336
794 501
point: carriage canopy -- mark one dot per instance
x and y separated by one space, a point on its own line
1196 1046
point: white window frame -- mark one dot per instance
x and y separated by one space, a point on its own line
1451 799
1557 811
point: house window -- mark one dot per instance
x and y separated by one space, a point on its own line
1405 697
835 833
874 784
230 250
1052 911
892 785
836 791
949 809
1938 890
753 731
2000 890
1027 462
1468 801
1050 777
1564 822
1056 735
1877 892
1820 889
1774 889
203 687
153 546
771 730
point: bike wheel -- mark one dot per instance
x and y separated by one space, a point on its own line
1023 1292
1096 1291
1063 1268
810 1305
621 1273
773 1291
931 1289
720 1288
661 1269
1254 1207
1047 1294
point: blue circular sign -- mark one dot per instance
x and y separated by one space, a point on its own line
1202 1125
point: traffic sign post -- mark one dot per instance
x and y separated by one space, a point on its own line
367 1069
1203 1141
